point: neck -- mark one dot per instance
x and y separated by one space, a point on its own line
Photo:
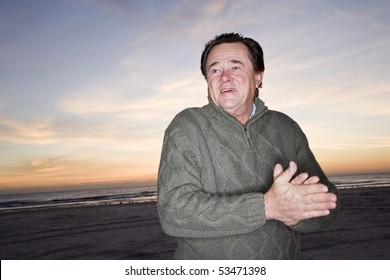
243 119
244 116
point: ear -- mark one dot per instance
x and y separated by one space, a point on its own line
259 78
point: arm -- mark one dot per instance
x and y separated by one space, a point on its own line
293 201
186 210
316 203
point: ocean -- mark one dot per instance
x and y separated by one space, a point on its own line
141 194
78 197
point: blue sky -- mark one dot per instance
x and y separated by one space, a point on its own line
87 87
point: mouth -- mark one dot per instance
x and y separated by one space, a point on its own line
227 90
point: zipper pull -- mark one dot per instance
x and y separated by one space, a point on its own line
247 134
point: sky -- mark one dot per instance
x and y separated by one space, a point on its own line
88 87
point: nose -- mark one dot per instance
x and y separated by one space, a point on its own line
225 76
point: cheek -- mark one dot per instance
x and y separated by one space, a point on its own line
242 79
212 84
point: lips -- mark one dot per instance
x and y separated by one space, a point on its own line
227 90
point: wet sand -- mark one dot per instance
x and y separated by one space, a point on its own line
361 231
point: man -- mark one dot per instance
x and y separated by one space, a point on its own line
236 180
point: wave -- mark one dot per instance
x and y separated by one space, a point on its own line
45 200
127 195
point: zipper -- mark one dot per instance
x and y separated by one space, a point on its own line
247 135
245 126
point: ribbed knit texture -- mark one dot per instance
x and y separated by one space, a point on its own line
212 178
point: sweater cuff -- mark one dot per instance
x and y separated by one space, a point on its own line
253 209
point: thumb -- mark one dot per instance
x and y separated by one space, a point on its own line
287 175
278 170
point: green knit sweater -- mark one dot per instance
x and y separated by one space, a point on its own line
213 175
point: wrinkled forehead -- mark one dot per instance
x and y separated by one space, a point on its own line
228 52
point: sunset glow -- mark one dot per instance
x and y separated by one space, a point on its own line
87 88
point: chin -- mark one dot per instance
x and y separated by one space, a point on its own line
228 103
228 108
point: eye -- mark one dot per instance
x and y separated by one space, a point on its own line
214 71
236 68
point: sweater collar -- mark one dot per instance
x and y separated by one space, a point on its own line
258 109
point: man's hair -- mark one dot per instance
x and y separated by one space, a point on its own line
255 51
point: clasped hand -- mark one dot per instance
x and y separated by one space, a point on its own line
291 201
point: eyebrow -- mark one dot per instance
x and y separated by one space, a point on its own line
234 61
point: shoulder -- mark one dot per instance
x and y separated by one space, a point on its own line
190 119
278 119
285 125
194 115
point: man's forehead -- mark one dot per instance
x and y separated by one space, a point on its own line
233 52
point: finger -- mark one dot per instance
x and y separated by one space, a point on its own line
321 197
286 176
319 206
291 223
315 214
312 180
300 179
292 167
311 188
278 170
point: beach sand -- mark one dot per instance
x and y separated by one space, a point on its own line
361 231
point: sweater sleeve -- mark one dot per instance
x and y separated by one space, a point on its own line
308 163
186 209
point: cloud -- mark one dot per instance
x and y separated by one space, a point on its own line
217 17
65 170
135 65
40 166
94 100
50 164
363 142
162 101
109 119
215 7
38 131
369 14
360 99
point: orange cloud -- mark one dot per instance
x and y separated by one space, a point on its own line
50 172
355 160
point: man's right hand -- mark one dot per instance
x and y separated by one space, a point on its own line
291 201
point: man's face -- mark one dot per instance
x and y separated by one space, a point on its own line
231 79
